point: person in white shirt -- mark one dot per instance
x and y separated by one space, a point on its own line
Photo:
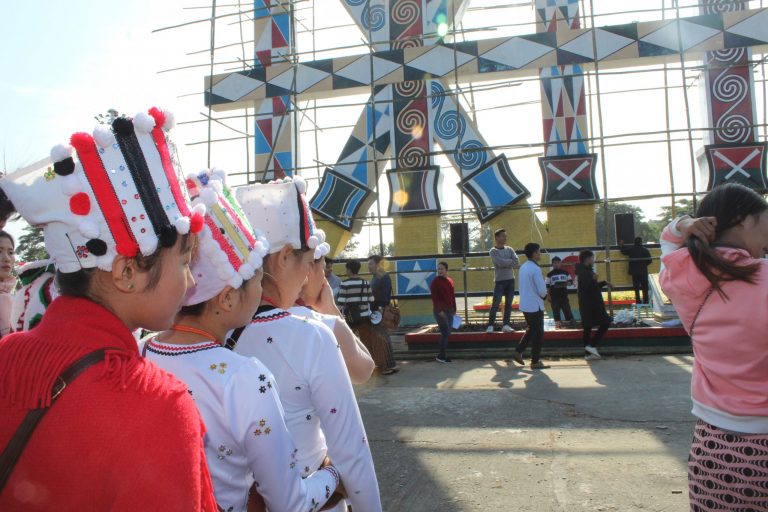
312 380
247 443
533 292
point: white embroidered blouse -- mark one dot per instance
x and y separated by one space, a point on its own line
317 395
246 439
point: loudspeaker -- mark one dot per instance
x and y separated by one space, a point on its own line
625 227
459 238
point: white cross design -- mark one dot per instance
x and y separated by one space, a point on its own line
737 168
568 179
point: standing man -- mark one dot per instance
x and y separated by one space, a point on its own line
504 262
639 260
332 278
558 281
533 291
444 307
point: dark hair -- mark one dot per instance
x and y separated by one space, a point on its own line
194 310
584 255
6 206
329 261
531 248
78 284
638 241
5 234
498 232
376 258
443 263
353 266
730 204
556 259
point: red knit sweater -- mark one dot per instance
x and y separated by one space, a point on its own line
443 294
125 436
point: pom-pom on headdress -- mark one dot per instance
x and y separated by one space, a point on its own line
280 209
122 195
230 250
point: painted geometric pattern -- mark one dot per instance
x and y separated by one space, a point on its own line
339 199
477 59
564 115
492 188
412 134
414 277
274 130
730 86
568 179
737 163
414 191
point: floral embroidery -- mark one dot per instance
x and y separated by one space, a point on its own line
257 432
221 367
333 411
262 377
262 422
327 492
309 417
270 340
81 251
266 431
298 388
49 174
224 452
263 389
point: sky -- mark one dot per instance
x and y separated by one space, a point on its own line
68 61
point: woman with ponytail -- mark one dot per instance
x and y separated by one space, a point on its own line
717 277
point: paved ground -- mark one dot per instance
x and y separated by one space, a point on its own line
611 435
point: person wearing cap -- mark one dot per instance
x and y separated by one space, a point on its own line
504 261
313 383
248 443
316 301
117 433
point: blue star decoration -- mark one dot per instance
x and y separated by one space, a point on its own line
415 276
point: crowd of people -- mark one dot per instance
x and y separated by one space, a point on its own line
240 396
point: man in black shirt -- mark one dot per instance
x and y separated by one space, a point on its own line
557 284
639 260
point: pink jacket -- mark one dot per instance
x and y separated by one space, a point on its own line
729 386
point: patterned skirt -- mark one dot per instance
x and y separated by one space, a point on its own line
727 471
377 341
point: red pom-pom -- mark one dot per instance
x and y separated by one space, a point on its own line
82 142
196 222
80 204
159 116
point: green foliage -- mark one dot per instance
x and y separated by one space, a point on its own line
682 207
31 245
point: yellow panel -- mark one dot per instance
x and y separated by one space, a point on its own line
417 235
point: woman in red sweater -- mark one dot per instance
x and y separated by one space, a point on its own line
444 307
122 435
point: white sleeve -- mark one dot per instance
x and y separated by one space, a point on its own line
541 285
256 417
335 404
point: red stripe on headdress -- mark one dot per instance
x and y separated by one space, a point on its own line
223 244
236 219
105 194
165 157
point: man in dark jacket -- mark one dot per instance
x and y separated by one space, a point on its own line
591 305
639 260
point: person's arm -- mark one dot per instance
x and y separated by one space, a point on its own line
453 296
257 419
515 260
6 308
335 404
500 261
386 289
541 286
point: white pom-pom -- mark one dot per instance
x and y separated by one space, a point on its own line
322 250
143 122
148 245
103 136
320 234
219 174
216 185
246 271
89 229
300 184
312 242
170 120
235 282
71 185
182 225
209 197
105 262
61 152
199 208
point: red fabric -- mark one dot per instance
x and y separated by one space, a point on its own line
443 296
124 436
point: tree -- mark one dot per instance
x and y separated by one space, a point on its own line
682 207
389 249
646 230
349 249
31 246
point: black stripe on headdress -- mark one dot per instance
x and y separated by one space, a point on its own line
302 221
145 186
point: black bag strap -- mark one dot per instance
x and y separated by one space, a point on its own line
20 438
231 341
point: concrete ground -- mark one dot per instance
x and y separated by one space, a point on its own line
482 435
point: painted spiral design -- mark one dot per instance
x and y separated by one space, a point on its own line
721 6
728 56
730 88
410 88
438 95
410 119
355 3
406 12
473 156
733 128
450 125
413 156
374 17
